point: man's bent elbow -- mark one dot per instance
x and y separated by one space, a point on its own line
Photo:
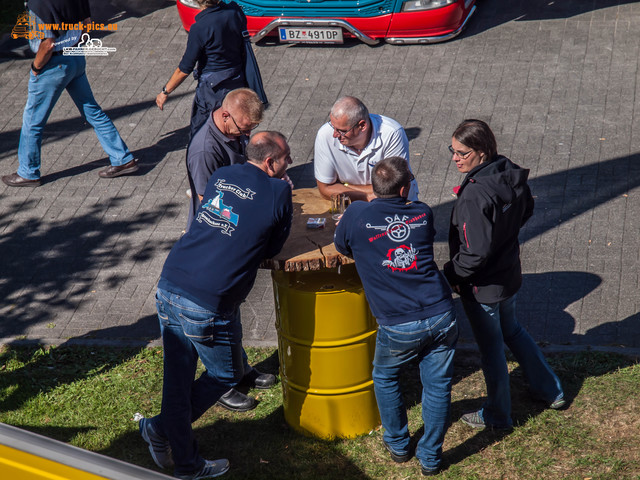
322 188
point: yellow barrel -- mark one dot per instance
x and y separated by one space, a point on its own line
326 340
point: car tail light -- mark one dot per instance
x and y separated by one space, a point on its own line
190 3
417 5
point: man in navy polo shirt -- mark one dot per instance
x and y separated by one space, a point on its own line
245 217
222 140
391 241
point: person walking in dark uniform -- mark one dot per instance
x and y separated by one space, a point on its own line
216 45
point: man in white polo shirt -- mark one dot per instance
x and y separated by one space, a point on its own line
350 144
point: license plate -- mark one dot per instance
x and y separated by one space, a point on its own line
310 35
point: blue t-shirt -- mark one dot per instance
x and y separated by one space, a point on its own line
208 150
391 241
245 217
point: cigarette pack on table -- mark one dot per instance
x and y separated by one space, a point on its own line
316 222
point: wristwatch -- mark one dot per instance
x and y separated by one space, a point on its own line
164 90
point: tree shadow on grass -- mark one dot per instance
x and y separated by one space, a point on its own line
265 448
46 370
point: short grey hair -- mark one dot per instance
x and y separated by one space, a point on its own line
351 108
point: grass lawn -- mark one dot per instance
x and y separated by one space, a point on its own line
88 397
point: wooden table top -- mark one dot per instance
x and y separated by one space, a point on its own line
308 249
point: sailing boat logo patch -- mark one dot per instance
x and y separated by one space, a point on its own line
218 215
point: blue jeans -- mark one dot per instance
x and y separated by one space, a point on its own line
493 325
189 332
431 342
60 73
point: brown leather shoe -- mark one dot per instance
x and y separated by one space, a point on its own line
113 171
15 180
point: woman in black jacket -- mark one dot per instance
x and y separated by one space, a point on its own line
494 201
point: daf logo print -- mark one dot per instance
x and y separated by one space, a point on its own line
401 258
398 229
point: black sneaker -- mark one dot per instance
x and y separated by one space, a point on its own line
158 446
559 403
430 472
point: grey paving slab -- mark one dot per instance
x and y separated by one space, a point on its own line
558 82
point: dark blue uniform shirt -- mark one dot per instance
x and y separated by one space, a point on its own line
215 41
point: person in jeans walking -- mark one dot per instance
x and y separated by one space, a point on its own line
494 202
52 73
391 241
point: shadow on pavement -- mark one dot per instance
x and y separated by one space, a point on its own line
492 13
54 131
53 265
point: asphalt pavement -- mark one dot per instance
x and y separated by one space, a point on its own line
558 82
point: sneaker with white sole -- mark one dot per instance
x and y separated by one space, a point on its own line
211 469
559 403
158 446
475 420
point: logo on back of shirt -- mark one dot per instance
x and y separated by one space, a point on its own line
245 194
401 258
398 229
225 214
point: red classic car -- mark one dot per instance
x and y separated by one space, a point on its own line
330 21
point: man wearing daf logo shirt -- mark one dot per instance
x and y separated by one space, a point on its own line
391 241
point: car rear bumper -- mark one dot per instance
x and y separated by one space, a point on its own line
412 40
311 22
403 28
431 26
